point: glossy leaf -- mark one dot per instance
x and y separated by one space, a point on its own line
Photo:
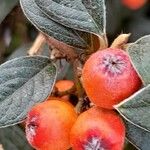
5 7
14 138
140 56
84 15
24 82
137 136
52 28
136 108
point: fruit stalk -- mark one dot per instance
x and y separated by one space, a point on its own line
38 43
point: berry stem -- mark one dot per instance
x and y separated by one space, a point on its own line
79 88
1 147
38 43
103 42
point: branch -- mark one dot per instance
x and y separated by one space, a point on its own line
38 43
62 49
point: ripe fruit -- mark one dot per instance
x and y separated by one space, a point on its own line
134 4
64 85
98 129
109 77
48 125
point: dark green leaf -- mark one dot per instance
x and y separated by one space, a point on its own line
137 136
62 65
84 15
13 138
23 82
140 56
136 108
5 7
50 27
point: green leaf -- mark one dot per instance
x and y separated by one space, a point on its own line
5 7
13 138
84 15
140 56
136 108
23 82
50 27
137 136
62 65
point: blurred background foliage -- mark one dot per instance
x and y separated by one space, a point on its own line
17 34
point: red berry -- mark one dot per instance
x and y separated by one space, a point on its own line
48 125
98 129
109 77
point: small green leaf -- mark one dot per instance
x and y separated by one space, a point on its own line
5 7
136 108
23 82
137 136
84 15
50 27
13 138
140 55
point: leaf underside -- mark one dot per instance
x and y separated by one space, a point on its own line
137 136
137 108
140 55
24 82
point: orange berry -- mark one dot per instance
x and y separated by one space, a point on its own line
134 4
48 125
109 77
98 129
64 85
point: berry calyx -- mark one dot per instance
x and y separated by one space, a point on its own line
109 77
48 125
98 129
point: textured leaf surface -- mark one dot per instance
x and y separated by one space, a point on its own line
140 56
13 138
50 27
137 136
23 82
136 108
5 7
62 65
85 15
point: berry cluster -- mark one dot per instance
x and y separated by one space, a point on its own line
108 78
